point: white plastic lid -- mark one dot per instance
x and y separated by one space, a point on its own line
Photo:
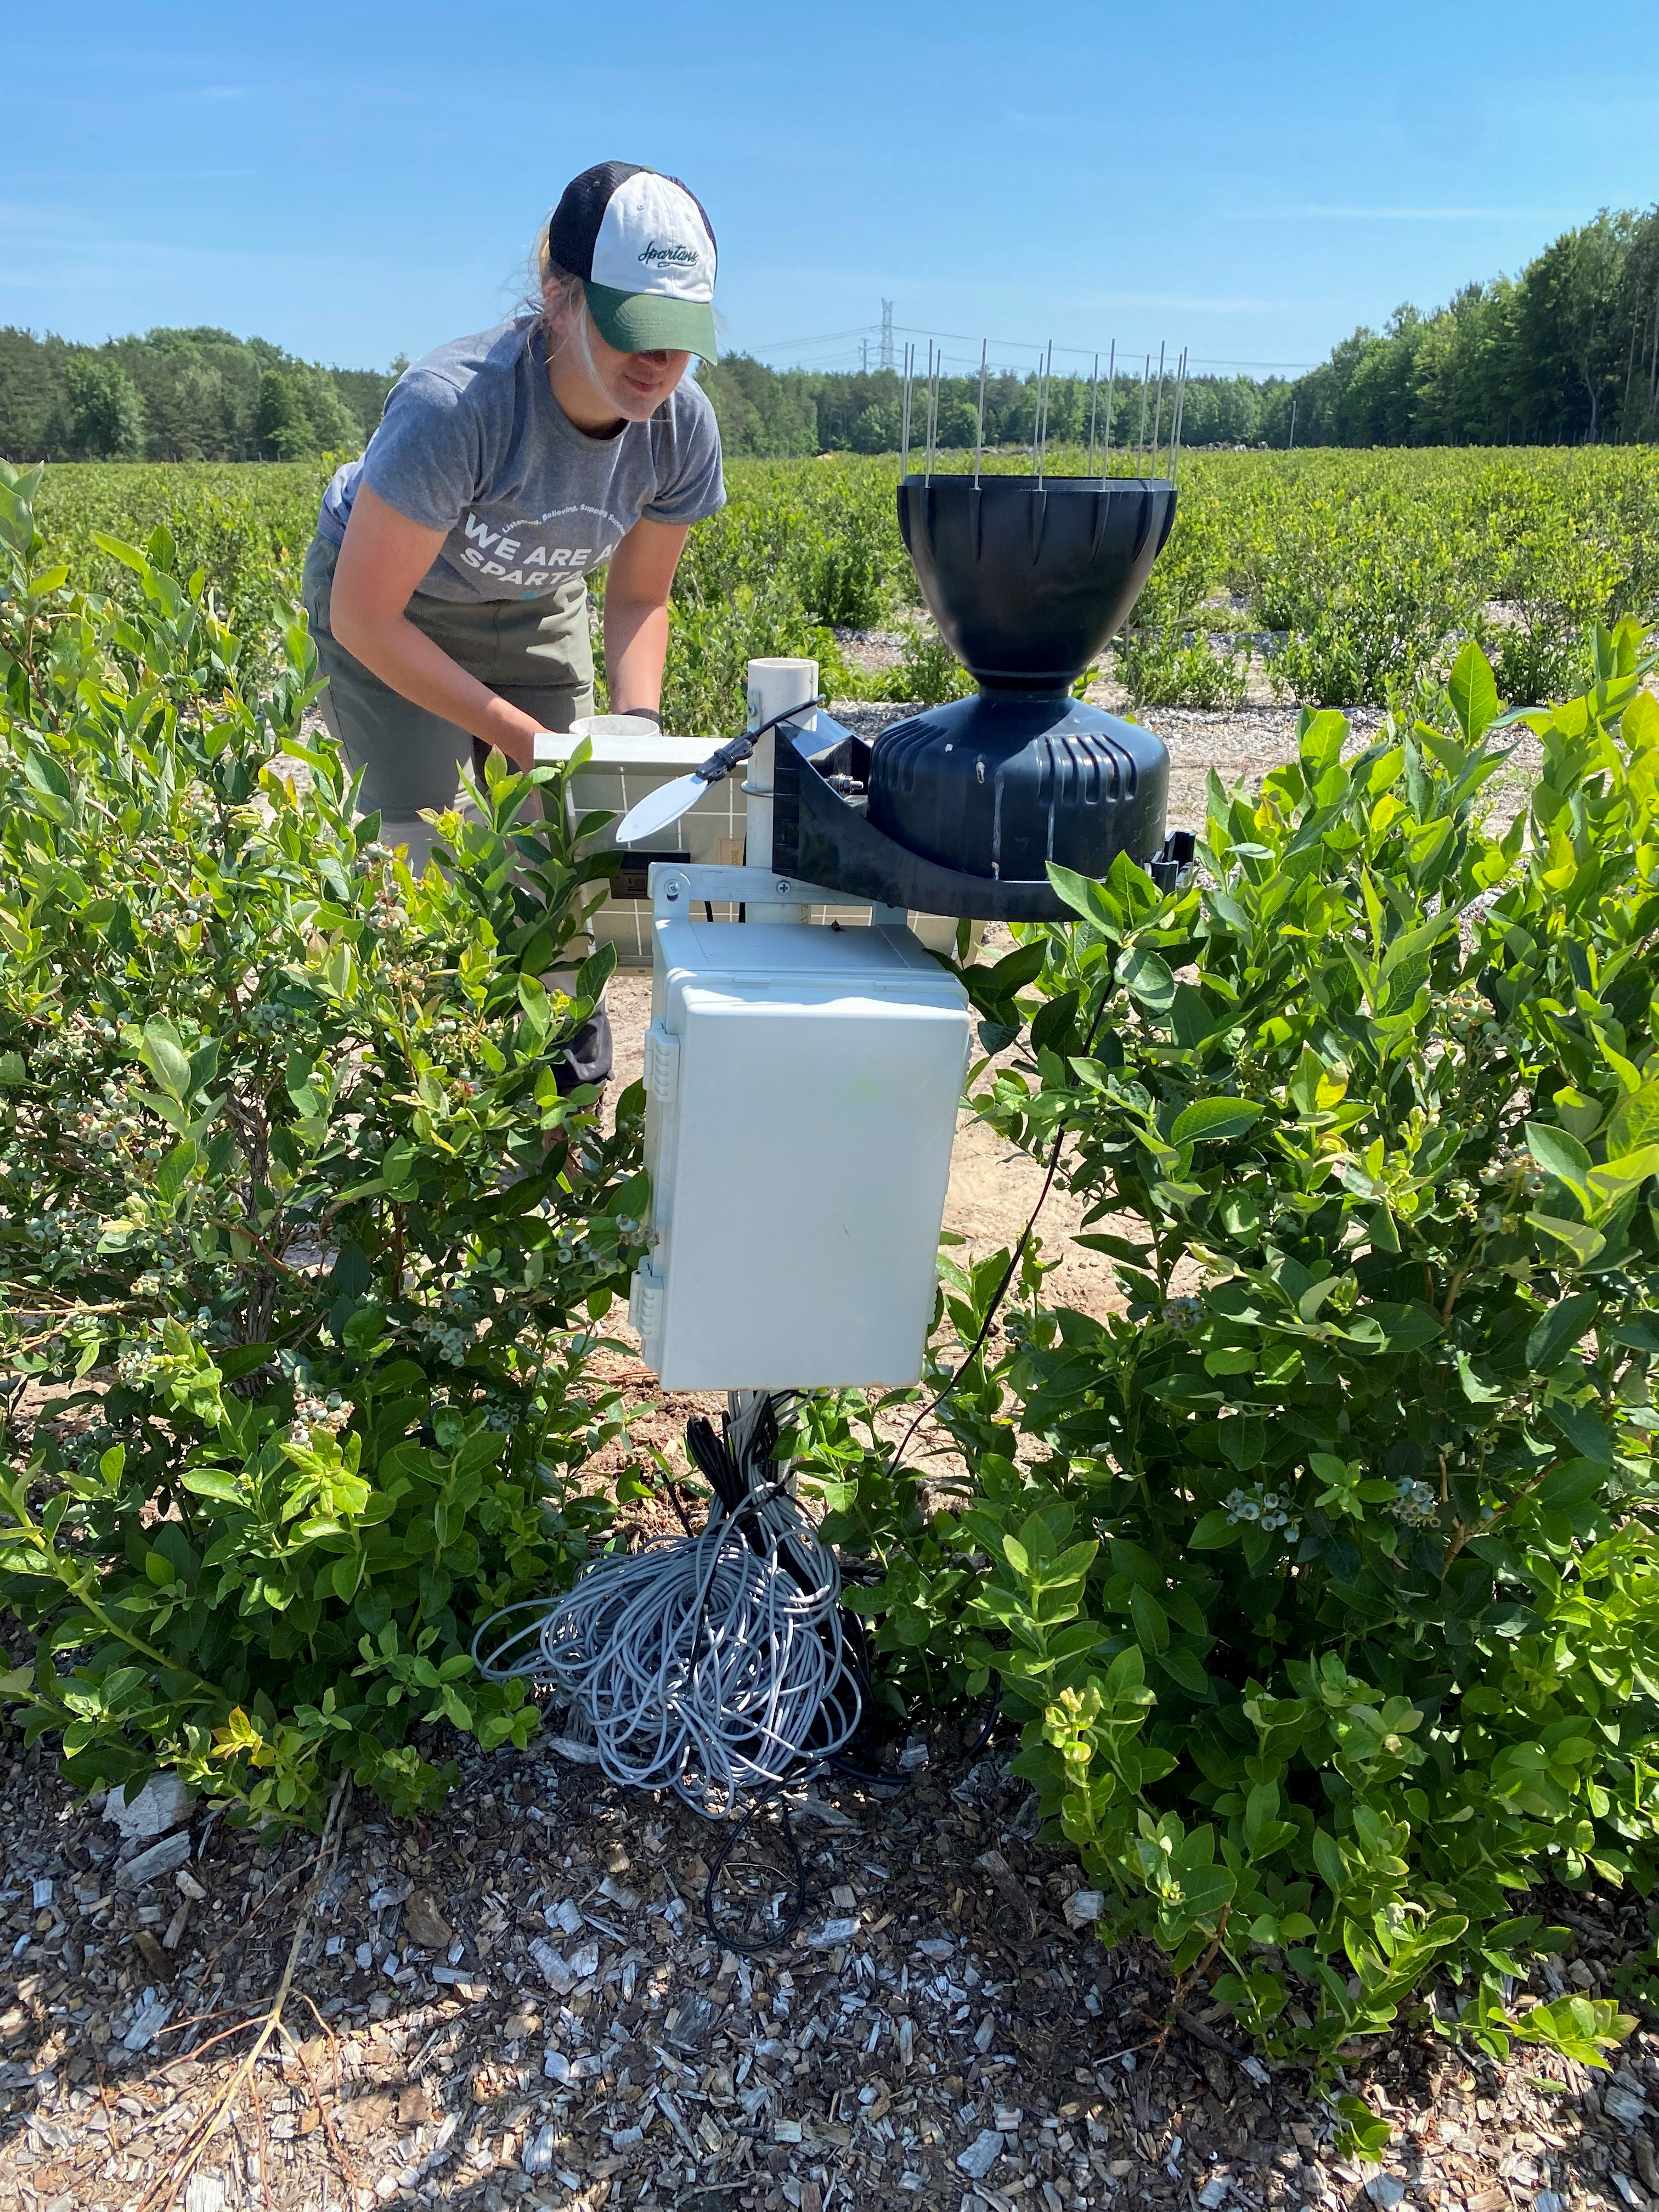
614 726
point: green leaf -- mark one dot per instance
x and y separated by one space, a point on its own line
120 550
164 1055
1584 1243
1183 1666
1209 1121
398 1166
1361 2133
1213 1532
1149 979
1242 1441
1094 901
1581 2029
1582 1430
1635 1122
1405 1328
1327 1857
1473 690
1562 1326
174 1171
1151 1622
1560 1155
216 1482
1564 1489
351 1274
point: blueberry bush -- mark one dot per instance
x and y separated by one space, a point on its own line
303 1249
1322 1579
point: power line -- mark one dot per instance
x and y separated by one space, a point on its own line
1028 345
818 338
886 357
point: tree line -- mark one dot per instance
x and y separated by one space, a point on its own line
194 395
1566 353
769 413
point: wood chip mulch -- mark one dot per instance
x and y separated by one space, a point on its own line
518 2003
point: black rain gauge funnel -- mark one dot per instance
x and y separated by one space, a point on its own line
1027 578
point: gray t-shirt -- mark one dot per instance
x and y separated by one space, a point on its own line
473 442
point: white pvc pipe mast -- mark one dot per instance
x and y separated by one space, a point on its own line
774 686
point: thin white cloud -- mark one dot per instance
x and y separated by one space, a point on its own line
1316 212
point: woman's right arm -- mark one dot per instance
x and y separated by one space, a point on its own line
383 557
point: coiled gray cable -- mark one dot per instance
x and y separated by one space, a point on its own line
714 1664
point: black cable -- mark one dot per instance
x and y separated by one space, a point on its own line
797 1913
1009 1273
735 750
846 1769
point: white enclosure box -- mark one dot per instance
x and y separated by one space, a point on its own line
804 1083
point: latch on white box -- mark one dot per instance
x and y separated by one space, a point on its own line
662 1063
645 1303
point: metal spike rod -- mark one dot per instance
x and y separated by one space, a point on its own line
1094 404
979 433
1157 409
1111 380
932 410
904 434
928 468
1180 409
1041 427
1140 442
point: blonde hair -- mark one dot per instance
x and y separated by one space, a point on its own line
552 289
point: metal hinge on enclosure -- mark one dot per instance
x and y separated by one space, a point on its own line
645 1303
662 1063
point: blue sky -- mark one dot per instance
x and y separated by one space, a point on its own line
357 180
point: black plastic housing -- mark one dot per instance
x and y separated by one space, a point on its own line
1000 784
824 837
960 810
1026 577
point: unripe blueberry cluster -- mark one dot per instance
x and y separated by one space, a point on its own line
1266 1509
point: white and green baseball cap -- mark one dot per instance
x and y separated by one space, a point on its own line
645 250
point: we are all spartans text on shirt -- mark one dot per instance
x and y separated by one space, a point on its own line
501 555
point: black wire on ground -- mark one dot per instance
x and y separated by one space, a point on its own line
724 1936
841 1767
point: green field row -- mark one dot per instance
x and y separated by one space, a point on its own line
1335 578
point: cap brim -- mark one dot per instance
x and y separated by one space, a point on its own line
652 322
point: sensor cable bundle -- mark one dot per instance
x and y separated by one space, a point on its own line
715 1664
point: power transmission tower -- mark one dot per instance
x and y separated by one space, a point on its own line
887 360
864 355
